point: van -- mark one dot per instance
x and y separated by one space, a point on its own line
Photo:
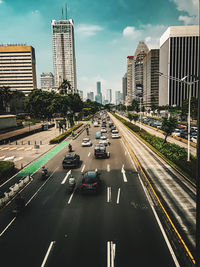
98 135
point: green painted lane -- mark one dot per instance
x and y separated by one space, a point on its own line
42 160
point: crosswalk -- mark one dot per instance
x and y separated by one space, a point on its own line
10 158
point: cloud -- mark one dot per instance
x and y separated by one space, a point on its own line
131 32
1 1
88 30
191 8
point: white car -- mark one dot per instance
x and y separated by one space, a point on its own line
103 130
194 139
177 132
104 140
86 142
115 134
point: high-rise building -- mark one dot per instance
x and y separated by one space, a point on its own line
81 94
151 78
139 55
118 97
98 97
17 67
64 61
90 96
130 79
179 57
124 88
47 81
109 95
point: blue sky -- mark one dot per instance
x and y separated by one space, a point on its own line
106 32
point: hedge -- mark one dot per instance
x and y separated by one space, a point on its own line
175 154
6 169
61 137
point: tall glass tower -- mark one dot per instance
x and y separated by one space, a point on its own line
64 61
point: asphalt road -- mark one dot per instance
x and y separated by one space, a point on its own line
116 227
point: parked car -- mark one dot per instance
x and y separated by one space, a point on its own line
71 160
90 181
86 142
194 139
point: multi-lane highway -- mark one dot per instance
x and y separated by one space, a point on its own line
116 227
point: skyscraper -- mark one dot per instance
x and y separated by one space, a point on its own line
47 81
124 88
109 95
17 67
64 61
118 97
130 79
179 57
98 97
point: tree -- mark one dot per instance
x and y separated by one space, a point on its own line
65 87
135 117
130 116
17 102
135 105
193 108
5 96
168 126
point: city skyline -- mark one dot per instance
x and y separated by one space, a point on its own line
104 37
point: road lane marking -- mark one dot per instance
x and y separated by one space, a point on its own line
67 175
96 170
89 154
124 175
108 167
48 252
13 148
83 168
7 226
125 153
159 224
118 195
5 148
41 187
21 148
70 199
28 148
9 158
111 247
108 194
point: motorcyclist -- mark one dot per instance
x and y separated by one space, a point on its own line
72 183
20 202
44 170
70 147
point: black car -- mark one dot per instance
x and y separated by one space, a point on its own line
91 181
71 160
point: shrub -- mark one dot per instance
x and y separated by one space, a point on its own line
6 169
61 137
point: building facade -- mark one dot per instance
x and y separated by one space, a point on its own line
179 58
109 95
17 67
98 97
47 81
130 79
124 88
139 55
118 97
90 96
64 60
151 79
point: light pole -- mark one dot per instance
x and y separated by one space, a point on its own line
189 96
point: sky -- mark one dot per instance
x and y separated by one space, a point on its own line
106 32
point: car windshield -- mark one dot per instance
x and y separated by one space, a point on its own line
70 156
89 177
115 132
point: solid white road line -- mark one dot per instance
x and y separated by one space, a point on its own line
48 252
89 154
160 225
118 195
108 194
41 187
7 226
108 254
67 175
83 168
70 199
108 167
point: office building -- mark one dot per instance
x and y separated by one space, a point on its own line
98 97
17 67
81 95
130 79
179 58
151 78
90 96
109 95
47 81
124 88
139 55
118 97
64 61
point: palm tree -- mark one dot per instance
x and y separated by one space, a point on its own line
65 87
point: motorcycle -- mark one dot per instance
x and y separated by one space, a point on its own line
70 148
71 185
44 174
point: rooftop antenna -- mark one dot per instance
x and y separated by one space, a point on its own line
66 10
